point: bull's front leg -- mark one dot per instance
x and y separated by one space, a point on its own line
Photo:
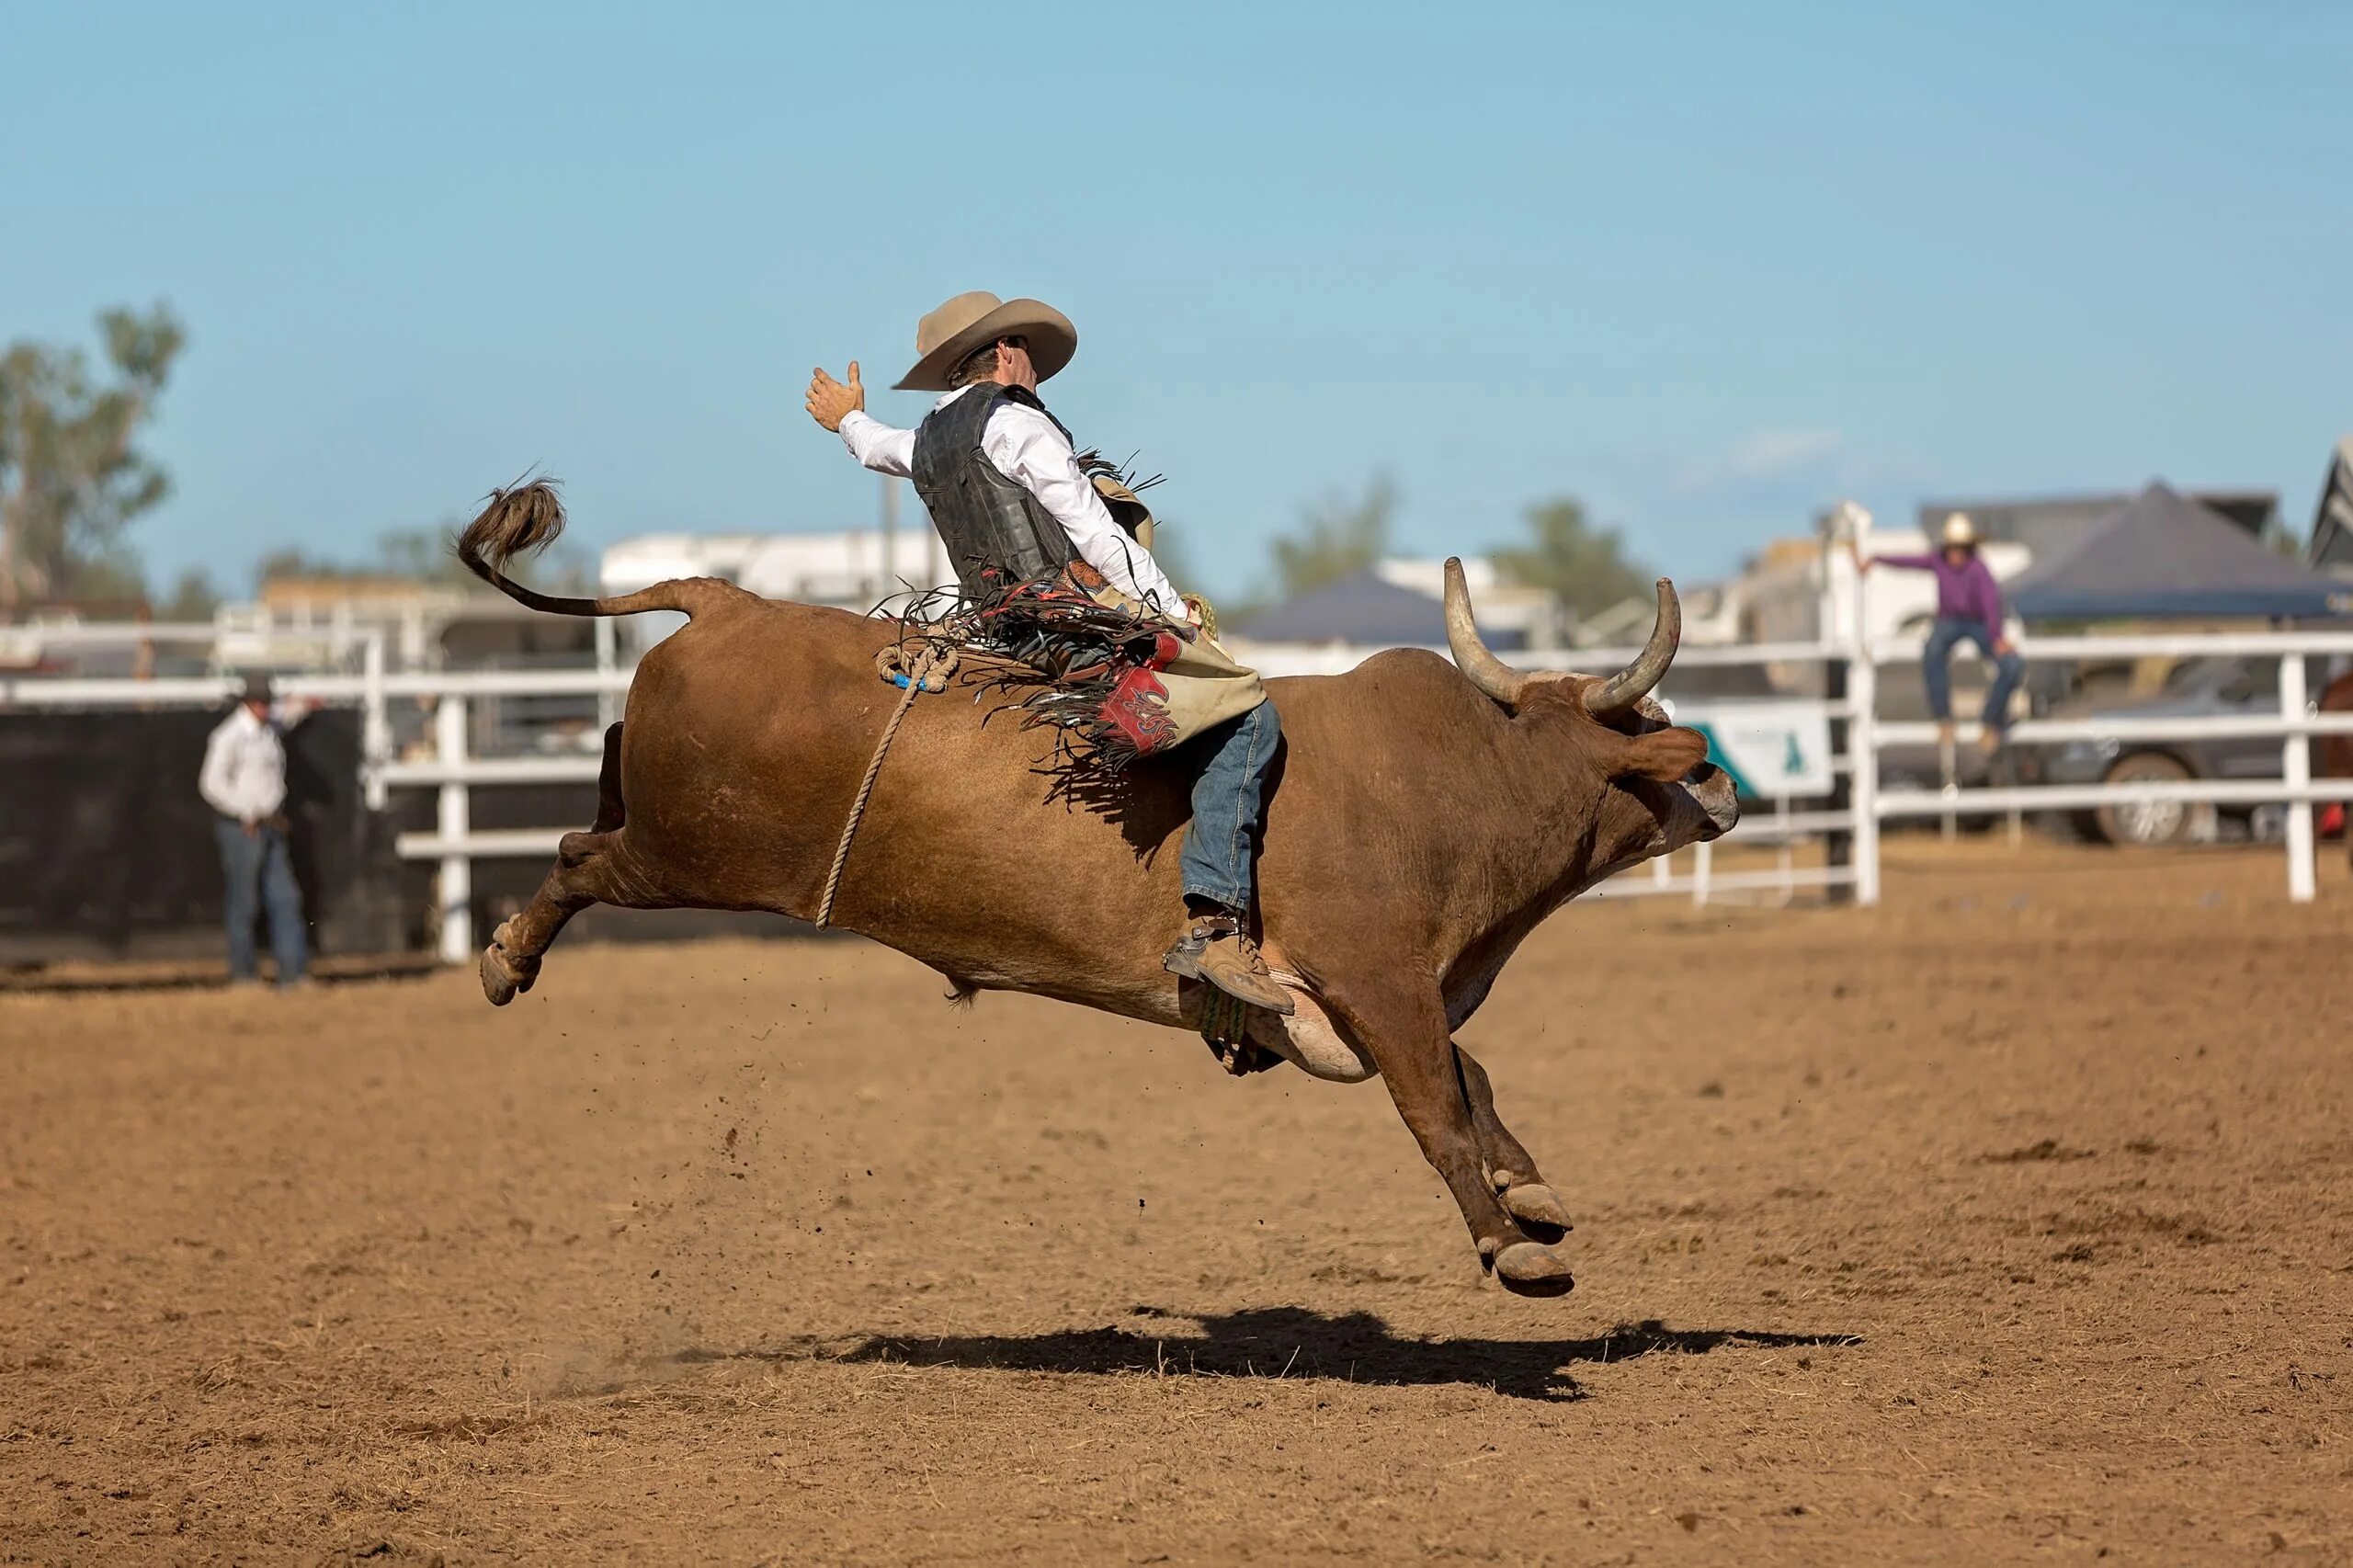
1410 1043
1510 1166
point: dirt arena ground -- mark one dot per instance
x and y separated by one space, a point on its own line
2012 1222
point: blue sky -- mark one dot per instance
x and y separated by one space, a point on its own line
1705 266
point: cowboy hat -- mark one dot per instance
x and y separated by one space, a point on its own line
1959 532
946 337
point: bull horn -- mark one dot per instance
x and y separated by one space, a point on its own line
1621 691
1486 671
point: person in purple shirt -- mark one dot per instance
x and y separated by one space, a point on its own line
1969 609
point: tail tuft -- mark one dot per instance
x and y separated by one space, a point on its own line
529 515
524 516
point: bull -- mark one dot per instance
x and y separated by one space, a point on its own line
1423 819
2335 758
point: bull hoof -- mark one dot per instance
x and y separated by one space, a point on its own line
495 984
502 978
1531 1269
1538 1211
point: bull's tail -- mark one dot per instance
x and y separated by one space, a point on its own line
527 516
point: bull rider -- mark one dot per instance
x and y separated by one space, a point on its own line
1016 505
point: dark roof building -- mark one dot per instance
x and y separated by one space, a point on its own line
2053 525
2162 555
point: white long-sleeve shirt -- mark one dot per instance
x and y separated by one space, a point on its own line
244 768
1030 450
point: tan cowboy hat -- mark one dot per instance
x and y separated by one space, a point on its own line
1959 531
974 321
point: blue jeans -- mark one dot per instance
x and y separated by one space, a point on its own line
1935 669
261 876
1229 801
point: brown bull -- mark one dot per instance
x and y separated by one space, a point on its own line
1420 825
2334 754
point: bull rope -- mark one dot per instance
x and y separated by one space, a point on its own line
916 672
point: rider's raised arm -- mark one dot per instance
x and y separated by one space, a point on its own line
841 406
885 448
1028 448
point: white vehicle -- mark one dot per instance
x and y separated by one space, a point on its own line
853 570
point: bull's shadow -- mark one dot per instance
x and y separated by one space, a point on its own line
1289 1342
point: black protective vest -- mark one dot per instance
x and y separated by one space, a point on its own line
991 525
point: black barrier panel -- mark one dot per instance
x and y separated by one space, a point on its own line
107 850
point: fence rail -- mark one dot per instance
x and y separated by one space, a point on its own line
2056 732
452 771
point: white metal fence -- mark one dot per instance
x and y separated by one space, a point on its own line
450 769
2296 724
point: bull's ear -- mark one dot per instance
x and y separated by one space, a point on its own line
1663 754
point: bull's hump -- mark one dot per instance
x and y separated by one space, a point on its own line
1415 677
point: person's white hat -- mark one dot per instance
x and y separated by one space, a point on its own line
1959 531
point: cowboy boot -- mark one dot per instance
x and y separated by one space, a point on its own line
1215 949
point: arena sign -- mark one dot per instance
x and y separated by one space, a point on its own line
1771 747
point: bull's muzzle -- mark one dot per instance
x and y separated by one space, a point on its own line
1717 797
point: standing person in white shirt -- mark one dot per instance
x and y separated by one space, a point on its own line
243 781
1003 482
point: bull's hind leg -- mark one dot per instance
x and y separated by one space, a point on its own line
511 962
1510 1168
1410 1044
583 875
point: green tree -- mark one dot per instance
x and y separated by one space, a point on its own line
1585 567
72 478
1176 561
2283 538
296 563
1338 535
193 598
423 555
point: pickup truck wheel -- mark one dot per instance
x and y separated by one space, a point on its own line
2145 825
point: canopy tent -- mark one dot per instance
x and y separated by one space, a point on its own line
2162 555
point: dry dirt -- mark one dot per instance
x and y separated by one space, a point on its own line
2014 1221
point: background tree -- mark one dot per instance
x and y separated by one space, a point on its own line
423 555
1585 567
2284 537
1175 558
1337 535
193 598
72 478
297 562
